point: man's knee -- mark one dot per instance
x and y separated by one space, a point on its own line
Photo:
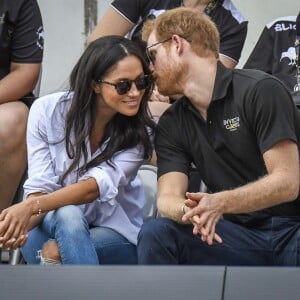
13 120
154 229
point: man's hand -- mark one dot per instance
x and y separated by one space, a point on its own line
204 212
156 96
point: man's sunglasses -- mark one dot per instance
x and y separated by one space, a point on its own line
124 86
150 54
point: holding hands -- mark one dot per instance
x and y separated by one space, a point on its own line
203 211
14 222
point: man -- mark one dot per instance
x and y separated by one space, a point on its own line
129 16
239 128
21 51
275 50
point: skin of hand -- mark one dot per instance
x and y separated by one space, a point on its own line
171 193
14 221
204 213
19 214
156 96
157 108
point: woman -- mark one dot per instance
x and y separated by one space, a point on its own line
83 199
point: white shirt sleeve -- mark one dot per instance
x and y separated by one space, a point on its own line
111 179
41 173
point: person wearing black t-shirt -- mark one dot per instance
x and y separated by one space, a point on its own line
21 52
241 129
124 17
275 51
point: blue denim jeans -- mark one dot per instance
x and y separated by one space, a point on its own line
275 241
78 242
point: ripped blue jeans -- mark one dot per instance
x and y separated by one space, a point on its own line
77 242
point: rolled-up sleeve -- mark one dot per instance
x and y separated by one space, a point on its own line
110 178
118 195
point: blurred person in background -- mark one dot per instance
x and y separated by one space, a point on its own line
21 53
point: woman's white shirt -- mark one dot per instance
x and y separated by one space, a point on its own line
121 199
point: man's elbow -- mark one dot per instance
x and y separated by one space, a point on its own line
292 191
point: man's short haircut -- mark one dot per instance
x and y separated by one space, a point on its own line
189 23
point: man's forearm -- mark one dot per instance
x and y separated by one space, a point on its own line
256 196
171 207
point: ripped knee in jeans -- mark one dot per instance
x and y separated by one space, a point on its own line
50 255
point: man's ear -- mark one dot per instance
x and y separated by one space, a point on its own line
179 43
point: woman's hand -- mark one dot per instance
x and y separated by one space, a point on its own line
14 222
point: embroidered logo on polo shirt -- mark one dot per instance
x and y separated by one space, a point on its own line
232 124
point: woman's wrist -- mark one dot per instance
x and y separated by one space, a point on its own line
35 206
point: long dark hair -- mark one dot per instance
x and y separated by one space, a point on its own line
122 132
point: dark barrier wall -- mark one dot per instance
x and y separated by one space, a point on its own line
110 282
148 282
261 283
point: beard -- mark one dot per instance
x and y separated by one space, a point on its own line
169 79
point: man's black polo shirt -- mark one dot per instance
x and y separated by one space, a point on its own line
250 111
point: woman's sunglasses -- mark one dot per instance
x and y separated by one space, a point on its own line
124 86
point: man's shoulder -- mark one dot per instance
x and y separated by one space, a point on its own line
251 75
13 7
233 11
246 81
279 24
175 112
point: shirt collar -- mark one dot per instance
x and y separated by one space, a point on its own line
222 82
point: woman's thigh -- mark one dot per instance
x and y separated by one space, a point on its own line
37 237
69 228
112 247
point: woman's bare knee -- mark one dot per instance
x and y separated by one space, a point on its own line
51 251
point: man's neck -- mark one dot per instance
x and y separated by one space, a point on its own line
200 84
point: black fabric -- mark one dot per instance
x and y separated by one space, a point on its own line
230 23
21 33
243 121
274 51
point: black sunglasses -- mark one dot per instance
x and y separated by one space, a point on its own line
124 86
150 55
